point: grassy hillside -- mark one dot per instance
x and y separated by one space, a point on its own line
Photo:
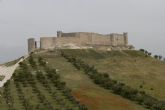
90 94
34 87
130 67
10 63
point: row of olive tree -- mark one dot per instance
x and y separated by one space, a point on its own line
54 78
7 96
25 102
106 82
26 78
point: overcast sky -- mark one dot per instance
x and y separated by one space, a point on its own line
144 20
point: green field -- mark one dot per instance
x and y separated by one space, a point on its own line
130 67
27 88
1 78
90 94
37 87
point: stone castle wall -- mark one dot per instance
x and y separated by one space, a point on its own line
117 39
83 39
67 40
86 38
69 34
47 42
99 39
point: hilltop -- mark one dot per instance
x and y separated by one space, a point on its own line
132 68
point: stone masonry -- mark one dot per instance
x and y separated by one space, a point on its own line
113 41
31 45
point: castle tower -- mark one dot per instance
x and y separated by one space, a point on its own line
32 45
125 34
112 38
59 33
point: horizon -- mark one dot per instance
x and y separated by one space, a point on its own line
21 20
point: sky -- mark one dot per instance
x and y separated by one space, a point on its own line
144 20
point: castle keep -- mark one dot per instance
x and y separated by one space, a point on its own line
80 40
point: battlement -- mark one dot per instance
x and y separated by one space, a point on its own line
82 40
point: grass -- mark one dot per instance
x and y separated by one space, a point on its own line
93 96
53 97
1 78
3 105
10 63
131 67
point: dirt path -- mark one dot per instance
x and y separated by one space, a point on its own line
7 72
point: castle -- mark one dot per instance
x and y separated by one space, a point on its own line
80 40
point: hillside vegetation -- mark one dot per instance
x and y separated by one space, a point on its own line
10 63
130 67
35 86
88 93
49 81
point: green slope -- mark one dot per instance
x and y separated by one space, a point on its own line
35 86
130 67
93 96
